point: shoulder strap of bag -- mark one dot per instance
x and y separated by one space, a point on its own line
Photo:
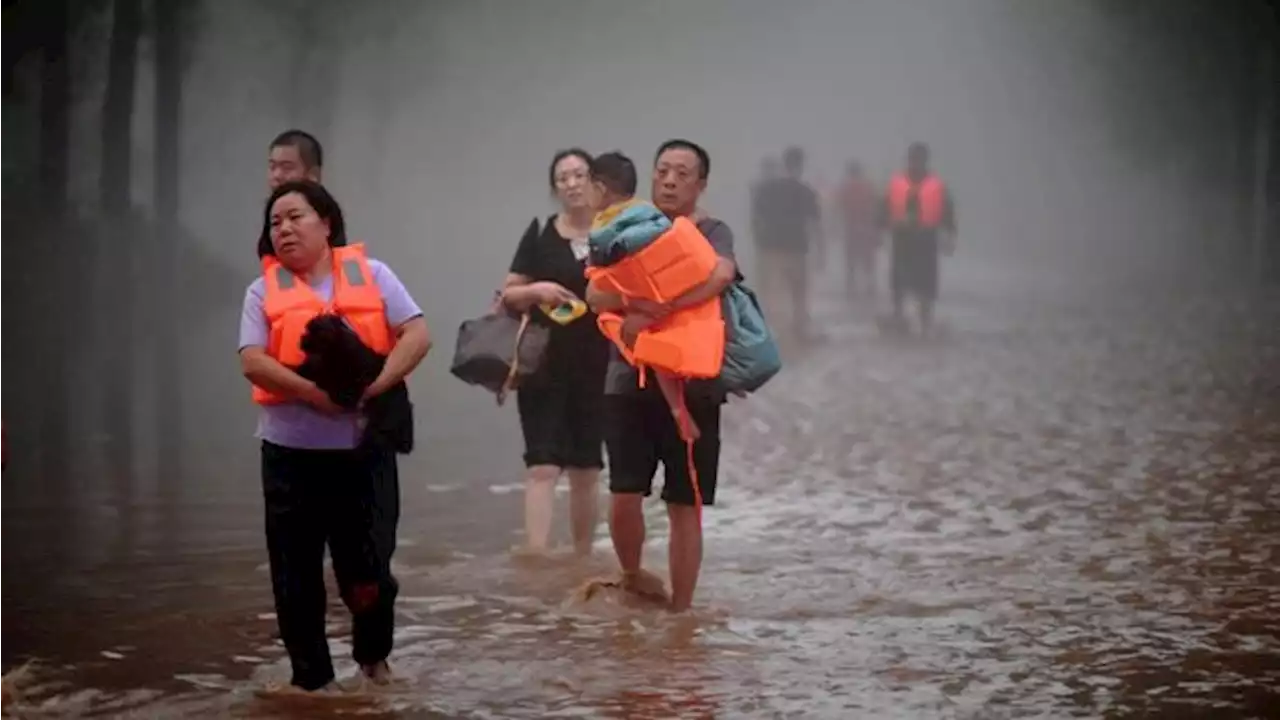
510 382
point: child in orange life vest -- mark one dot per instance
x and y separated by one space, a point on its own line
626 220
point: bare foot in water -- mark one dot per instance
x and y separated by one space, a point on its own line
643 586
523 551
378 673
646 585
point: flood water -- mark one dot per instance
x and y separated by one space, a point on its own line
1062 509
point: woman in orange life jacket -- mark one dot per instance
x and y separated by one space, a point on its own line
322 483
561 406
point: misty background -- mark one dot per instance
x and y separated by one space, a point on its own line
1090 145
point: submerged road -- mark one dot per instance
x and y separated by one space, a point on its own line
1061 509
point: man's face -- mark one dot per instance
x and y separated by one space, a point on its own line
285 164
677 182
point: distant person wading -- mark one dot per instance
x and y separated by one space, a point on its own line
323 481
919 213
788 238
857 202
561 406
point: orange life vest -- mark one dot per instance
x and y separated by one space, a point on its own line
932 198
690 342
290 304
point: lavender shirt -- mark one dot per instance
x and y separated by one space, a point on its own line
297 424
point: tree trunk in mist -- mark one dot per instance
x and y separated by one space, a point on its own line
51 367
165 248
1262 155
115 179
116 239
55 109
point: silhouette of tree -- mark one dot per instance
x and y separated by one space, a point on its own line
117 247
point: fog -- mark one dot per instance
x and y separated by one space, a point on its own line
1097 167
438 121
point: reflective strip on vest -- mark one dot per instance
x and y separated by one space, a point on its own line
351 269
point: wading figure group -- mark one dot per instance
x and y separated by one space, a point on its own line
914 209
636 364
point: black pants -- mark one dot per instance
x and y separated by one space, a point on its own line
915 266
349 499
641 433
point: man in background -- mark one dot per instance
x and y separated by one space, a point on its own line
919 214
856 201
770 169
788 226
294 155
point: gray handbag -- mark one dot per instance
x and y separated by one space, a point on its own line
499 350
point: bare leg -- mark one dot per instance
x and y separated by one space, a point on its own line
798 273
684 554
626 527
539 505
584 507
870 269
852 281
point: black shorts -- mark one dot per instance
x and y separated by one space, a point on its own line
640 433
915 265
562 421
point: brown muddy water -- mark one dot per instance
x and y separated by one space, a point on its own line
1056 511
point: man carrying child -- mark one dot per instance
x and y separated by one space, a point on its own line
641 430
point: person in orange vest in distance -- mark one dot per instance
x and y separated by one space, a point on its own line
919 213
323 480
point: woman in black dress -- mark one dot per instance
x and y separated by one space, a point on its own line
561 406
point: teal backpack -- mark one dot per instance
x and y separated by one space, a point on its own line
751 355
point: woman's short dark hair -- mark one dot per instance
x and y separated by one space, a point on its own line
319 199
577 152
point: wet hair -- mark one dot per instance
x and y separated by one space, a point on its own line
854 167
309 148
918 149
793 159
616 172
319 199
704 160
577 152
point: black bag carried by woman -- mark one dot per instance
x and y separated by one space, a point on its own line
498 350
